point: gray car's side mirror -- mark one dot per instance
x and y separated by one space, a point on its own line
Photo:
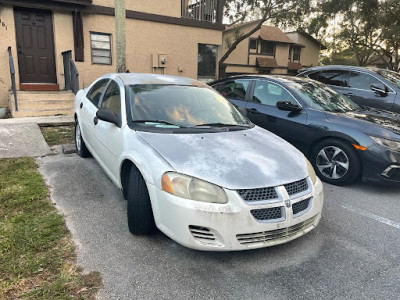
380 88
107 115
288 106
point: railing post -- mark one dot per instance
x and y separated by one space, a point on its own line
12 73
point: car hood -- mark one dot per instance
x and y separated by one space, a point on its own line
384 119
244 159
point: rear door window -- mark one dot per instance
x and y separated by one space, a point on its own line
234 89
314 75
334 77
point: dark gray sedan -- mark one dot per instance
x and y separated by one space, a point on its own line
365 86
343 141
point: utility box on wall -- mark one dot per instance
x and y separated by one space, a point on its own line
162 60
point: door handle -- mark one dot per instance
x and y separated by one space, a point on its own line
95 120
254 110
81 105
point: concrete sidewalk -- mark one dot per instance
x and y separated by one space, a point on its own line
22 136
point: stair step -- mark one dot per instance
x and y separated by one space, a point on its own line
45 104
63 95
41 112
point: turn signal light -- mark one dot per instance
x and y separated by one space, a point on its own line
358 147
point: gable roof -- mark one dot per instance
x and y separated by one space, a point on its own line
275 34
305 34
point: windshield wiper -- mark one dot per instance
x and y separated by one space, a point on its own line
158 121
221 125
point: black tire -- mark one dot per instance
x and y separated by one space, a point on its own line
140 213
339 155
81 148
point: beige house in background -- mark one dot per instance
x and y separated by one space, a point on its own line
270 51
175 37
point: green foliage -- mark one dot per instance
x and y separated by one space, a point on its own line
36 254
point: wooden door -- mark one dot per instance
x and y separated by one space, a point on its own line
35 46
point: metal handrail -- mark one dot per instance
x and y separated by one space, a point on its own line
71 74
12 74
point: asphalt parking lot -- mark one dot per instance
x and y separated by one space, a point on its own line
352 254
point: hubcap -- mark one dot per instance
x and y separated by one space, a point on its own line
332 162
78 137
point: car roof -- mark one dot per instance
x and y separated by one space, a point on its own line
148 78
340 67
277 78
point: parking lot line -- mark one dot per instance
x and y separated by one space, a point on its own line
372 216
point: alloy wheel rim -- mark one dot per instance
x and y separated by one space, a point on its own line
78 137
332 162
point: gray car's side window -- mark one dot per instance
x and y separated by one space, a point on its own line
362 81
234 89
96 91
112 98
270 94
334 77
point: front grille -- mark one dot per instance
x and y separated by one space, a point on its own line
201 233
258 194
267 213
268 236
300 206
297 187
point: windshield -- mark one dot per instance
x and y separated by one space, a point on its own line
321 97
391 76
181 106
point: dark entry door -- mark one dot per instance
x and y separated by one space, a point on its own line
35 46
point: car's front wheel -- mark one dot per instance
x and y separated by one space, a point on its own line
336 162
81 148
140 213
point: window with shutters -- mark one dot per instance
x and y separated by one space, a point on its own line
101 48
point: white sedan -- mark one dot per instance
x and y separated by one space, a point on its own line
189 163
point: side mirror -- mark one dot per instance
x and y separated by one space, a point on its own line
288 106
107 115
242 110
380 88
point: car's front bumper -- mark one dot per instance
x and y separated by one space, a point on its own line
381 165
231 226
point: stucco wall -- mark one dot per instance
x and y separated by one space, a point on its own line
159 7
309 56
7 38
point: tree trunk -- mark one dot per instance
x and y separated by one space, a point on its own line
120 17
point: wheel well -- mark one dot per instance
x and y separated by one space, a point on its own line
124 175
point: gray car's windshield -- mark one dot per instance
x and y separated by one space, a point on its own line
181 106
391 76
321 97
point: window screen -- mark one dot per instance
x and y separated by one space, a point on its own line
207 62
101 48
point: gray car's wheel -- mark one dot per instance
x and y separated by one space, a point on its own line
140 213
336 162
81 149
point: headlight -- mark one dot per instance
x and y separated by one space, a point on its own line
393 145
311 172
192 188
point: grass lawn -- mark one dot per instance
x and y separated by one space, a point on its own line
58 135
37 258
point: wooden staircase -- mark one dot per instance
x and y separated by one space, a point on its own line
43 103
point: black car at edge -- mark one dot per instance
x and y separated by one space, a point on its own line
371 87
343 141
